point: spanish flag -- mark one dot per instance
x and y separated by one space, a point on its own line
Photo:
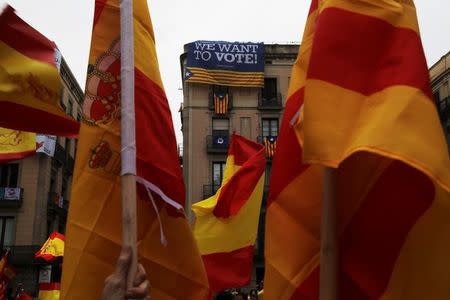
29 81
374 120
166 246
16 144
52 248
49 291
226 224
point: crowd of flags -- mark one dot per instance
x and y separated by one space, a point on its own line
357 102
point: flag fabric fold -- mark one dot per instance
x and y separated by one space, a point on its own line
93 239
30 85
372 117
291 180
49 291
226 224
52 248
16 144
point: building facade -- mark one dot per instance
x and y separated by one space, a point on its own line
44 185
440 77
254 113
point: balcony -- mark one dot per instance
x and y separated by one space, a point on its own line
210 190
57 204
273 102
11 197
220 112
217 143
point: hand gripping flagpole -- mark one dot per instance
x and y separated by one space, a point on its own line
329 238
128 134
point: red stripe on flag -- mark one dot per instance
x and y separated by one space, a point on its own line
371 243
366 54
30 119
287 164
52 286
242 149
236 192
314 6
99 6
157 156
227 270
5 157
17 34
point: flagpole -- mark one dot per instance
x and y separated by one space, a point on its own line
128 135
329 242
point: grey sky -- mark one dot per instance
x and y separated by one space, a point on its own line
176 22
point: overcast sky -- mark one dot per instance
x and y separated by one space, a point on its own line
177 22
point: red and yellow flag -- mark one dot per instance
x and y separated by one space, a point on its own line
29 80
16 144
49 291
93 238
291 180
52 248
226 223
369 113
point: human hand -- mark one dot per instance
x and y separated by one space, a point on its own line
116 284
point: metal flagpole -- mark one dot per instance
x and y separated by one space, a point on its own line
329 241
128 134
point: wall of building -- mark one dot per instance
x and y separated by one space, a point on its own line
440 77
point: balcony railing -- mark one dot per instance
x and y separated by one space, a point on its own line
11 197
217 143
273 102
210 190
212 106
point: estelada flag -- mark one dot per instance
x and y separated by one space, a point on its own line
93 237
374 120
49 291
227 223
52 248
30 85
16 144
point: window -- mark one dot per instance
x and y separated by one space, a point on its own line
218 169
64 187
270 127
70 107
246 127
6 231
270 88
61 101
53 175
220 127
437 97
67 145
9 174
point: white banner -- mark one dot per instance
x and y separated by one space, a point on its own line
45 274
46 144
12 194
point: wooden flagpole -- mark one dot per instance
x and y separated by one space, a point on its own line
128 134
329 238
